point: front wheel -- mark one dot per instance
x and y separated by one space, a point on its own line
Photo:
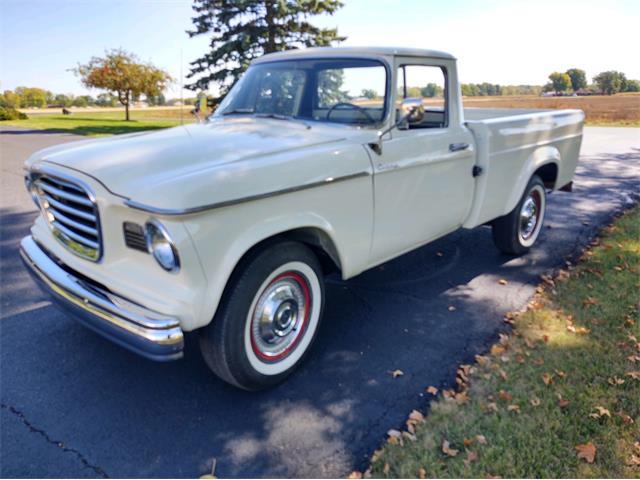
517 231
268 317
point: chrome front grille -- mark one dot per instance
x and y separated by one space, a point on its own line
72 214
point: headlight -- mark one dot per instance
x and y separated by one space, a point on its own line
161 246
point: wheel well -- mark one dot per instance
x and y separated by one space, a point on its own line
548 173
314 238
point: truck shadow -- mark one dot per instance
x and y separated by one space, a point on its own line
148 419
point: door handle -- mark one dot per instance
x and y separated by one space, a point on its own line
456 147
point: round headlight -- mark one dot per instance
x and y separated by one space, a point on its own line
161 246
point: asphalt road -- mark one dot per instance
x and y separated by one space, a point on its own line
75 405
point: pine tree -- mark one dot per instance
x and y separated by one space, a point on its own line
246 29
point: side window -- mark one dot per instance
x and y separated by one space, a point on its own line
428 83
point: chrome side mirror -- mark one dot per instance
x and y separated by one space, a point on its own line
412 111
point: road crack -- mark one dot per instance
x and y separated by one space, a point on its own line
99 471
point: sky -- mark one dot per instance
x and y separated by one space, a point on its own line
497 41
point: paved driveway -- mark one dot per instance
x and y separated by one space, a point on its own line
75 405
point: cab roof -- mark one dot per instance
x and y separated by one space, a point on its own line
353 52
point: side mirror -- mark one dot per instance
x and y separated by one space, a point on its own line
412 111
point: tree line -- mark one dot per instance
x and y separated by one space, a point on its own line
575 79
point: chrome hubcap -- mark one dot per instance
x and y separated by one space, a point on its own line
279 318
529 214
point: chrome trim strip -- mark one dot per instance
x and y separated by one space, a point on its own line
61 193
61 206
99 305
73 235
186 211
72 223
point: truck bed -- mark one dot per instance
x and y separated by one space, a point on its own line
511 145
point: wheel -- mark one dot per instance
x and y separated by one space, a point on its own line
268 317
517 231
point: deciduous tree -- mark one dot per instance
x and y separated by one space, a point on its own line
242 30
578 78
560 82
123 74
610 82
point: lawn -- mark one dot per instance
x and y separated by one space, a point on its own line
96 123
557 397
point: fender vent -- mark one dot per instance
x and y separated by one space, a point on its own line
134 236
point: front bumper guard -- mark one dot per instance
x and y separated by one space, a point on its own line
143 331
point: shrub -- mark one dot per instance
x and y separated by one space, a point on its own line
9 113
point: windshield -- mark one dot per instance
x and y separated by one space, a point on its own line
349 91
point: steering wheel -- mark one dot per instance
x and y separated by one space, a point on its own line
352 106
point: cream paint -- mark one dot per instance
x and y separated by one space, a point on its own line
416 191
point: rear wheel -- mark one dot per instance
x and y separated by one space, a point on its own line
516 232
268 317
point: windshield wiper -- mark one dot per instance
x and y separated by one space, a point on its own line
238 110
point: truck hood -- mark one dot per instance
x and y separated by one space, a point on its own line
139 165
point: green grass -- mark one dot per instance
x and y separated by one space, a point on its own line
581 334
103 123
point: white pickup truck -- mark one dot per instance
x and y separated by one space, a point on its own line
318 160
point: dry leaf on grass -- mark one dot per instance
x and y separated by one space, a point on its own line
356 475
482 440
535 401
601 412
432 390
447 450
615 381
497 350
506 396
563 403
513 408
471 457
587 452
635 375
547 379
422 473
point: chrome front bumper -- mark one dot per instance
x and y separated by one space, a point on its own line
143 331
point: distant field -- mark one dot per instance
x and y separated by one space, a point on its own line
615 110
621 109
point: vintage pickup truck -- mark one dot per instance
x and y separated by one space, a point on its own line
317 161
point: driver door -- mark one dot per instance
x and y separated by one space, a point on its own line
423 176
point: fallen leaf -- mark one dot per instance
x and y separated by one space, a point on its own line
447 450
462 398
491 407
422 473
467 442
449 393
506 396
615 381
416 416
482 440
471 457
520 359
397 373
386 469
504 339
355 475
502 281
513 408
497 350
634 358
547 379
589 301
587 452
535 401
560 373
563 403
538 361
601 412
481 360
395 436
626 419
432 390
635 375
634 461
